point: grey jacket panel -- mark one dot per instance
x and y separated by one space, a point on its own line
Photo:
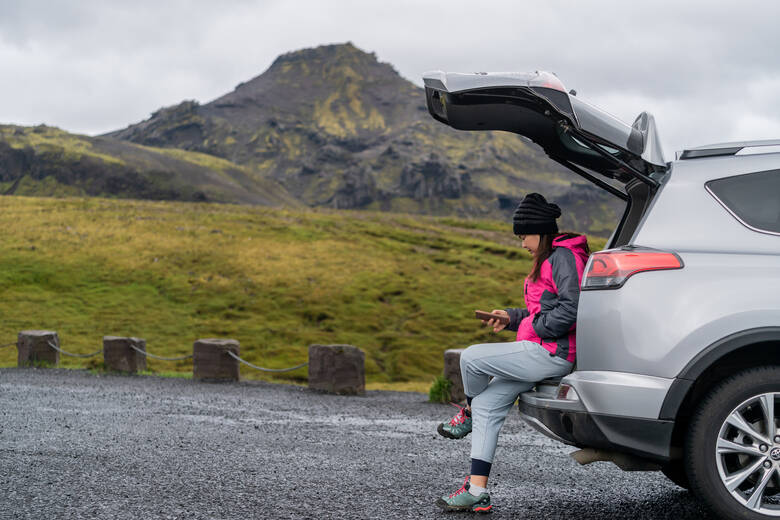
562 347
516 315
557 321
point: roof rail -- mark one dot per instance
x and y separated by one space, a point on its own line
735 148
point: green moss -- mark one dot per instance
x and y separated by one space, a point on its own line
166 373
37 363
440 390
201 159
327 119
54 141
47 187
374 121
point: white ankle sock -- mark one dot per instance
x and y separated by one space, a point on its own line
476 490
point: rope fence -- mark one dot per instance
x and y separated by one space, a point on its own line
55 347
177 358
336 369
277 370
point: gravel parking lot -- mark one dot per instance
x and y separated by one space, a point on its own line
78 445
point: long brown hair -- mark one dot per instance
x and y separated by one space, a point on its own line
545 249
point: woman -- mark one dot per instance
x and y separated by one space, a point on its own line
545 345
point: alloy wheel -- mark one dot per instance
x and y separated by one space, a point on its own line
747 454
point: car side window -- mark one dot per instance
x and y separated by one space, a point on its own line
753 198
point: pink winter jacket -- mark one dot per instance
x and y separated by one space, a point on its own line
551 301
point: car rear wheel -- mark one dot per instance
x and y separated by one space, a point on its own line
733 446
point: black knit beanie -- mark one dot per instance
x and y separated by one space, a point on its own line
535 216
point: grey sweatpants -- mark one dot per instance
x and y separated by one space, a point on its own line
515 367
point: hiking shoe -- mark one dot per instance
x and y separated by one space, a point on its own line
462 500
458 427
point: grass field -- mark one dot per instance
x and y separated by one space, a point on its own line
402 288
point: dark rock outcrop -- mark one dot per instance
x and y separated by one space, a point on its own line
339 128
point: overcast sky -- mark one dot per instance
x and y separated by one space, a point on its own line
708 71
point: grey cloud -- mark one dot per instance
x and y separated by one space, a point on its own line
706 70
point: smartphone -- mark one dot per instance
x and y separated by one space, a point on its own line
482 315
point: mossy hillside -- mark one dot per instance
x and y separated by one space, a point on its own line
403 288
51 139
47 161
46 187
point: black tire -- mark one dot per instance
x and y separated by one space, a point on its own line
675 471
700 454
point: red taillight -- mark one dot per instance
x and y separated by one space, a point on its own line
610 269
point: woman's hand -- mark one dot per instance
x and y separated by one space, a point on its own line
497 325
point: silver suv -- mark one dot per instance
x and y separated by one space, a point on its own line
678 329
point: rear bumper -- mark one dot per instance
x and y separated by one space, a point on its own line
619 393
572 423
646 438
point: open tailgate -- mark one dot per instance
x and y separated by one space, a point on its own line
537 106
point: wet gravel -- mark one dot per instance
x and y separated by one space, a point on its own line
78 445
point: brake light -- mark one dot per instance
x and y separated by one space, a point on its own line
610 269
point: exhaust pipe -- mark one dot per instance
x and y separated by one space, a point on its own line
624 461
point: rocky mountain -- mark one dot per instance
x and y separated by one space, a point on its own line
338 128
330 126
